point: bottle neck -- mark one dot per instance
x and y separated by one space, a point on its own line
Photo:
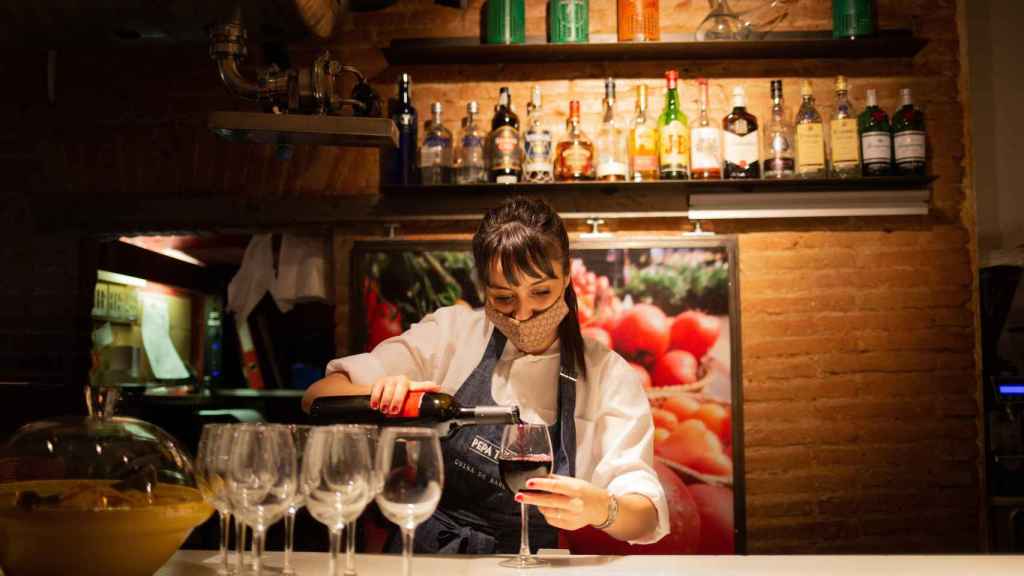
777 108
908 100
488 415
404 94
672 99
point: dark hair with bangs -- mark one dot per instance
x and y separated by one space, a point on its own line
526 234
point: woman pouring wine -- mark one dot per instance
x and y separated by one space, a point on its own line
523 349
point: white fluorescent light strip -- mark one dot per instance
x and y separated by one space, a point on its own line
116 278
808 205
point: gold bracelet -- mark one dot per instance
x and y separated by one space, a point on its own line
613 512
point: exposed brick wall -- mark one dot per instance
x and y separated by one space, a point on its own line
860 384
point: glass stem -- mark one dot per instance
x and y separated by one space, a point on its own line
257 551
289 539
350 549
239 545
225 535
524 535
407 534
335 549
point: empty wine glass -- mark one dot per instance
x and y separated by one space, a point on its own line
338 479
525 453
370 434
211 470
721 23
760 18
261 479
300 434
411 474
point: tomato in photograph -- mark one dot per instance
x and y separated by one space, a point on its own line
645 376
684 525
598 334
695 332
675 368
715 505
641 334
660 435
664 418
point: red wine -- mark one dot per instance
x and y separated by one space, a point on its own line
516 471
420 409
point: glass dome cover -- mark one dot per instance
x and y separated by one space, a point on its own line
100 481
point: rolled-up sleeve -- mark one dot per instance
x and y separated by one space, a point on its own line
626 434
416 353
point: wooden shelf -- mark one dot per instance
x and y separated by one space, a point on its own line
783 45
693 199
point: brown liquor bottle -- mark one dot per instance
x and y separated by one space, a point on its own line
574 156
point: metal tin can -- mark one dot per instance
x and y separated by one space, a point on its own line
568 21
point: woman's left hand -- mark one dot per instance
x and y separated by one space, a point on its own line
567 503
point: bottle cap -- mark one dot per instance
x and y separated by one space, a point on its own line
906 96
702 81
872 97
806 89
435 107
609 88
404 78
841 85
472 107
535 96
776 89
671 77
574 108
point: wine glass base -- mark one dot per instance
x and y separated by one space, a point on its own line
523 562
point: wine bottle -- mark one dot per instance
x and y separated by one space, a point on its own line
420 409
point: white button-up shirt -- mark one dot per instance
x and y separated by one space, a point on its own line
614 431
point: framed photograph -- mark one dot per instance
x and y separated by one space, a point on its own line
668 306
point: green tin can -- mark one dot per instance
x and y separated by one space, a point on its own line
852 18
568 21
506 22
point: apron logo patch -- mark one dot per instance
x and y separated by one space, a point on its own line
485 448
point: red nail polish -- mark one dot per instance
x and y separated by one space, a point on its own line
519 497
373 405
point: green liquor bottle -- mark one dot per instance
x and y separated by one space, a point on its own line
875 138
673 134
909 137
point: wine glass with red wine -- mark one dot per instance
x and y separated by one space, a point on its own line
525 453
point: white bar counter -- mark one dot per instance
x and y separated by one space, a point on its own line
203 563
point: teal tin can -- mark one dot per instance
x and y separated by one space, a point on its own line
568 21
506 22
852 18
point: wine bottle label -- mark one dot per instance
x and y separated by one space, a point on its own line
810 147
411 408
472 141
611 168
432 152
877 147
537 149
645 162
706 149
741 150
910 147
675 147
406 120
506 179
845 150
506 149
577 159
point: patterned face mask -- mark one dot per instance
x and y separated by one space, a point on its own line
534 334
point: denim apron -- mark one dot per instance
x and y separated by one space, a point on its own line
477 515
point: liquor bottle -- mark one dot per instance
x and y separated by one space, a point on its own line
875 138
742 149
638 21
419 409
673 134
612 149
504 151
909 137
436 152
403 160
537 143
843 135
643 142
472 167
705 142
810 137
778 142
574 156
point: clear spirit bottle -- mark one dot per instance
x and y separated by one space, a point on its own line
436 151
537 143
705 142
778 142
472 167
810 137
612 149
843 135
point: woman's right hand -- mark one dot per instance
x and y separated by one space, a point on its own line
388 393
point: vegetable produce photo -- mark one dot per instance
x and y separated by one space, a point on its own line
668 307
